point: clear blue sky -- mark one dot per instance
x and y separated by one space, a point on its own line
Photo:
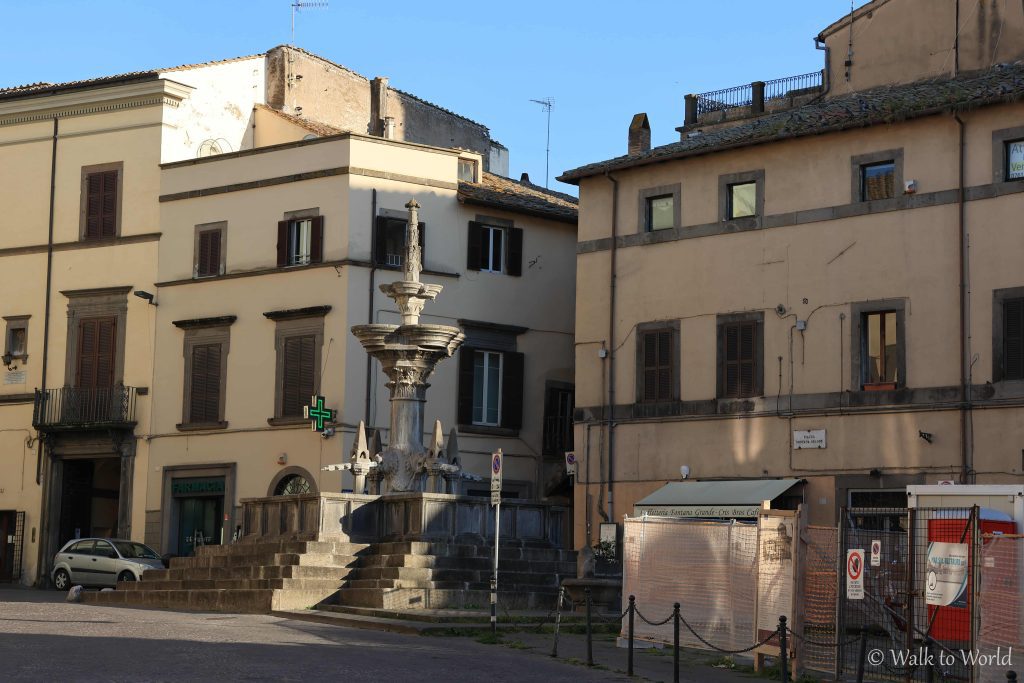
601 61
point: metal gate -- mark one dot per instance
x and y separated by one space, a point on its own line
12 539
917 614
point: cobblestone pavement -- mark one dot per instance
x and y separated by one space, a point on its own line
43 638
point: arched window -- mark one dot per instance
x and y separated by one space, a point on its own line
291 485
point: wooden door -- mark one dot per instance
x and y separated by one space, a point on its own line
96 351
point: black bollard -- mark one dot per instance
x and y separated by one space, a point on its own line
632 611
783 653
675 643
862 656
590 639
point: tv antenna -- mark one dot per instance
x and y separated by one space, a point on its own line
547 103
300 5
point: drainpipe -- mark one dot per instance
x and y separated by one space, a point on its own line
611 351
42 561
963 252
369 297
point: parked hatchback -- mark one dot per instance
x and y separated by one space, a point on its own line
101 562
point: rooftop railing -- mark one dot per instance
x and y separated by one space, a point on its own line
753 95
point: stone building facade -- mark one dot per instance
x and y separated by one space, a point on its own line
828 291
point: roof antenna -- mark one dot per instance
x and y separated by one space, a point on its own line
547 103
303 4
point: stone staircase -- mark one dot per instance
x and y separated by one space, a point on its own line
271 576
428 575
256 577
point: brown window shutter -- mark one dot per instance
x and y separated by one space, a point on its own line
512 390
105 352
474 245
85 374
380 243
282 243
1013 339
739 366
109 204
747 342
514 255
299 374
204 402
316 245
731 365
658 365
209 253
465 391
664 365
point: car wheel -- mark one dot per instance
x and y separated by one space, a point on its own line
61 580
125 576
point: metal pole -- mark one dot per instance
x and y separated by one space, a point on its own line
590 642
558 620
862 655
675 641
547 153
783 651
632 611
494 579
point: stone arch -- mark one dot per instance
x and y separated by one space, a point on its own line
288 473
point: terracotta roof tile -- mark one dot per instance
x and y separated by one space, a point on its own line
520 197
888 104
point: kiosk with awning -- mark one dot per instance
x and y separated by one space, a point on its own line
729 499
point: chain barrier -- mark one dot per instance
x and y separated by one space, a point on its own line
654 623
723 650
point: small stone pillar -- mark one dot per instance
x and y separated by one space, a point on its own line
691 110
757 97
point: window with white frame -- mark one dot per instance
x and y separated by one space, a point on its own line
487 388
300 241
492 249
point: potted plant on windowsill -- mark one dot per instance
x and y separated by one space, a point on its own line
880 386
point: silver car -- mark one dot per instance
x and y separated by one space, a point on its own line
101 562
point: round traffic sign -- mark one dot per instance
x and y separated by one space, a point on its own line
854 566
570 458
496 463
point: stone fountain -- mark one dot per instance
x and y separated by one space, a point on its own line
408 354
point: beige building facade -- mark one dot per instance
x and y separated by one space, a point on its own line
828 292
80 262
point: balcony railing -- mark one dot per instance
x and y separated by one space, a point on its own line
755 94
77 408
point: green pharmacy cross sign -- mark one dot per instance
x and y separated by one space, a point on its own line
316 412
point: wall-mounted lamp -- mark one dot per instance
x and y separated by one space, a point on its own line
927 436
8 360
145 295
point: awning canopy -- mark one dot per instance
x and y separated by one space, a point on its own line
718 499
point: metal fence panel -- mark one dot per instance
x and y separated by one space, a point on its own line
819 593
1001 622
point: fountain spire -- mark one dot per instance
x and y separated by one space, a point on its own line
408 354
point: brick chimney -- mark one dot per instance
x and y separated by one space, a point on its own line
525 178
639 135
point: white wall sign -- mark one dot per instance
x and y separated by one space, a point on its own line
855 574
14 377
946 574
1015 161
876 553
808 438
707 511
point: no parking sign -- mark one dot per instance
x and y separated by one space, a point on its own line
855 574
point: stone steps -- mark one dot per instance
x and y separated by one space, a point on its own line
244 601
290 571
232 584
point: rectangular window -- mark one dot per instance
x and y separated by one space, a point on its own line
209 253
300 240
487 388
495 249
740 359
390 240
204 395
298 374
467 170
490 389
878 181
101 204
97 340
558 409
657 365
660 212
880 350
16 338
742 200
1013 339
1015 160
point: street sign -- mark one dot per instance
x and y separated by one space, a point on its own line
496 477
855 574
876 553
570 463
316 412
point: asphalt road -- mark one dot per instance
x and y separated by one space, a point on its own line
43 638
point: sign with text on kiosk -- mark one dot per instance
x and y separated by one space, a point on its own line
876 553
855 574
496 478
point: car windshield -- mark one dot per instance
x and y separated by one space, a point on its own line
135 550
